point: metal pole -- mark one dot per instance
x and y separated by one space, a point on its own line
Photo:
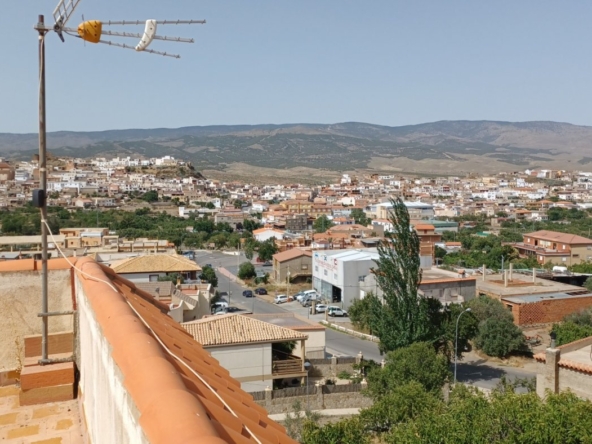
43 184
307 398
456 342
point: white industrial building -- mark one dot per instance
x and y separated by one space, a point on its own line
337 273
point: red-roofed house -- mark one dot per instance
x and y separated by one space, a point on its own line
555 247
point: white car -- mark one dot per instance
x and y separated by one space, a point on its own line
336 311
321 308
280 299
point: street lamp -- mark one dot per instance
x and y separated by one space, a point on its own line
307 368
456 341
288 282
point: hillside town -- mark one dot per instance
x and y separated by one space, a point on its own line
287 275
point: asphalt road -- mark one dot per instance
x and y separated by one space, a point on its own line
478 373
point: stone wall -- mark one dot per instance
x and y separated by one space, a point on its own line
330 368
318 398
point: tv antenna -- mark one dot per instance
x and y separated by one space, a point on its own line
92 30
89 31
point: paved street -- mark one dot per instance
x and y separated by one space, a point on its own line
470 371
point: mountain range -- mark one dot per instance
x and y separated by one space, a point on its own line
445 147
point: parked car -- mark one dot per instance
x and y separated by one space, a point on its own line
281 298
248 293
299 296
321 308
218 305
233 309
336 311
308 298
260 290
221 311
267 264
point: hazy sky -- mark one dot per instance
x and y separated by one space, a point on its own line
323 61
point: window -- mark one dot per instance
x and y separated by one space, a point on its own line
575 255
564 246
153 278
316 268
305 267
335 276
361 278
325 272
509 307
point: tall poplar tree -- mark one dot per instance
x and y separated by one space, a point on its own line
405 317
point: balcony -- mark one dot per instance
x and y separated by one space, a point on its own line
292 366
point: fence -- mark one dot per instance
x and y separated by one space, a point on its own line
342 388
339 360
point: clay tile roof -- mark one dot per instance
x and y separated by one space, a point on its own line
193 402
155 263
556 236
237 329
291 254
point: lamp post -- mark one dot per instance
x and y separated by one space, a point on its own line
288 282
307 368
456 341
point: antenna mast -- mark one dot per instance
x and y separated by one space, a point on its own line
90 31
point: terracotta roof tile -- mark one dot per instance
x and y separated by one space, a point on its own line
291 254
198 393
238 329
556 236
154 263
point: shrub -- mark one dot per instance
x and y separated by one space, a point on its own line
500 337
570 331
246 271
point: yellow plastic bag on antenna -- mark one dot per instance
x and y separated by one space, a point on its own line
90 30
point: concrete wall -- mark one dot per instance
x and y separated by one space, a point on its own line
140 277
448 290
20 302
249 364
314 345
110 413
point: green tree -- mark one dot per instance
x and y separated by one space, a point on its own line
588 283
209 275
418 362
322 224
360 312
150 196
440 252
499 337
403 403
250 225
347 431
249 247
403 319
246 270
359 217
582 267
267 249
571 331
